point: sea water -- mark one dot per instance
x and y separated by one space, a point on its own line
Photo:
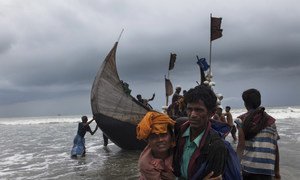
39 148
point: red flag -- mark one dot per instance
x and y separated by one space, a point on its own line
172 61
169 87
215 28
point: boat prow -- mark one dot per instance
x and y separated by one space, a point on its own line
117 113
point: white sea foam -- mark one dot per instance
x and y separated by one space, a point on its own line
39 120
17 158
276 112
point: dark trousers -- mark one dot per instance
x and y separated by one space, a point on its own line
248 176
105 139
233 132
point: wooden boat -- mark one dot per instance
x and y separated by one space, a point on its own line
116 112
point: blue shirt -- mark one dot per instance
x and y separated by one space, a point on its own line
189 148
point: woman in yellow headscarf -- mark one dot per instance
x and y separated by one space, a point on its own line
155 161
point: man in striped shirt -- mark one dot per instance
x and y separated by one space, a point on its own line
257 147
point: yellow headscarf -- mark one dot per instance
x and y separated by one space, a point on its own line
153 122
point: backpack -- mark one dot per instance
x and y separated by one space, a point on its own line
232 168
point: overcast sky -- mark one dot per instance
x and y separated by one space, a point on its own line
50 51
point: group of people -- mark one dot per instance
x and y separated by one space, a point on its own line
198 149
226 118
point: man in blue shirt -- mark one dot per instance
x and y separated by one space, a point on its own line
200 152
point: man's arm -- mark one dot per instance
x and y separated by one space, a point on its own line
277 170
216 159
152 97
89 122
241 143
92 133
229 118
222 118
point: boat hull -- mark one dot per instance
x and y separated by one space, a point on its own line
123 134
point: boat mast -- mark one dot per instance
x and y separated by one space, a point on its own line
168 77
167 97
120 35
210 42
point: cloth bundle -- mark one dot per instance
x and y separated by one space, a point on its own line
153 122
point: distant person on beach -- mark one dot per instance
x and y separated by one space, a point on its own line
155 162
257 140
229 121
200 151
145 102
79 140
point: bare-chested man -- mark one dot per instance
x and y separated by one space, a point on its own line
229 120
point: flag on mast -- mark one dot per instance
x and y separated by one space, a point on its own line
202 63
172 60
169 87
215 28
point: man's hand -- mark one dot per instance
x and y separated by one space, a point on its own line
208 177
167 176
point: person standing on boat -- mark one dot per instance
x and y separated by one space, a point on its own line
176 96
145 101
155 162
257 147
174 108
79 140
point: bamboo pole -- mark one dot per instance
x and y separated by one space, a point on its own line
210 47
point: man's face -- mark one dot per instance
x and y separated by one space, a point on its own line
198 114
160 143
219 111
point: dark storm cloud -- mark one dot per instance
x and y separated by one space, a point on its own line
6 42
51 51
